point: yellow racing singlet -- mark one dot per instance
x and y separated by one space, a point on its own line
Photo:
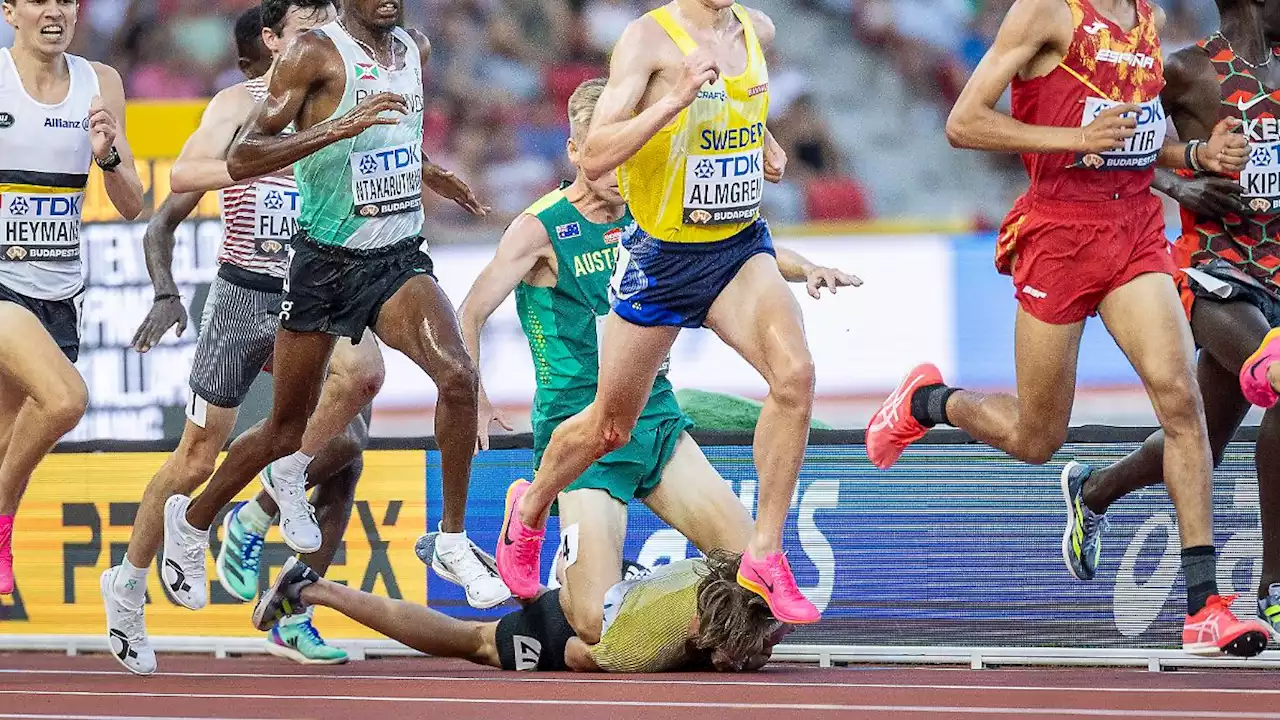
701 177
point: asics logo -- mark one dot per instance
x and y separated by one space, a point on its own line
889 411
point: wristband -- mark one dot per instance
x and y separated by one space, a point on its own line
1193 162
166 296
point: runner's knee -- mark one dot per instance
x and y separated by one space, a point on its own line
64 402
793 380
1178 405
458 381
587 619
1039 446
360 381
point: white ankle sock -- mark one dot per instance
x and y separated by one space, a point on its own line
293 465
131 585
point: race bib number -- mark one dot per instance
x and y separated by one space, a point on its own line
1140 151
40 226
387 181
723 189
662 369
1260 180
275 219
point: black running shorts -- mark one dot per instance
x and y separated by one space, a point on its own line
340 291
60 318
534 637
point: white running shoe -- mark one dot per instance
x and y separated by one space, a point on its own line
182 564
298 524
126 630
464 564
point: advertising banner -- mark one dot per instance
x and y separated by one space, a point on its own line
957 545
76 519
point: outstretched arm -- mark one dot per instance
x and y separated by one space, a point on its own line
417 626
796 268
523 244
167 309
202 165
261 149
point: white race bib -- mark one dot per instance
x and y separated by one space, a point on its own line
1140 151
387 181
40 226
275 218
723 189
1260 180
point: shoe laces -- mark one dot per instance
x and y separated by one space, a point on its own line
462 561
1094 522
132 623
309 632
251 551
294 504
784 581
193 553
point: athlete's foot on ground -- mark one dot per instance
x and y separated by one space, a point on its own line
6 555
893 428
519 554
771 579
1255 380
126 629
1215 630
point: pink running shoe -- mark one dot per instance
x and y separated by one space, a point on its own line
893 428
6 555
519 554
1253 376
772 580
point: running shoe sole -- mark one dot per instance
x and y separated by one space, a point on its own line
1247 644
284 651
104 584
260 620
444 574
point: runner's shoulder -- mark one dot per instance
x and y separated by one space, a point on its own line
1043 19
420 38
311 53
1187 72
231 102
108 77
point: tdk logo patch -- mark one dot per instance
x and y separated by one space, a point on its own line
569 230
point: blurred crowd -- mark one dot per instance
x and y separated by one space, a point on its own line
502 70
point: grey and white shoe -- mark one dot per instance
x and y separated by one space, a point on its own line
126 630
284 597
464 564
298 524
182 562
1082 536
1269 610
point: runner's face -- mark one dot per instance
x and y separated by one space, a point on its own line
606 187
378 14
43 25
298 21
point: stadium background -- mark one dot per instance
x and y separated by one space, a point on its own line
859 95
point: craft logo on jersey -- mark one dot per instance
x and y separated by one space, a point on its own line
367 71
387 181
568 230
7 120
719 95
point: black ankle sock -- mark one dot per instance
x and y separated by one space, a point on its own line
1200 568
929 404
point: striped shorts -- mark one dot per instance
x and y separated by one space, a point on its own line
237 337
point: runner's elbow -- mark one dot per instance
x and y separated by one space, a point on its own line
960 124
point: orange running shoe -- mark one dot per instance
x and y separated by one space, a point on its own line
1215 630
893 428
772 580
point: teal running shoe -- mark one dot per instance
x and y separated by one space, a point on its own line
296 638
239 558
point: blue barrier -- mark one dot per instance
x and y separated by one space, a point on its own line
957 545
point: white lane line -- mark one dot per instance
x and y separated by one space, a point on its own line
45 716
498 677
932 709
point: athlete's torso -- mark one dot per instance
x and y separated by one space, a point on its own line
45 156
366 192
648 621
259 217
700 179
1249 240
1104 66
563 322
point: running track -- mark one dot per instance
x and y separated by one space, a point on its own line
52 687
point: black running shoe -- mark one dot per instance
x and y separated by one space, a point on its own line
284 597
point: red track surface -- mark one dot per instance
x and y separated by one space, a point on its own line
51 687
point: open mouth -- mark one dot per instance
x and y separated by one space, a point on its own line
388 9
52 32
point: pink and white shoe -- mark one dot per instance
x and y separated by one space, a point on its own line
772 580
6 555
892 429
519 554
1253 376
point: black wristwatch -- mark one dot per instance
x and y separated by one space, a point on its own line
111 162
